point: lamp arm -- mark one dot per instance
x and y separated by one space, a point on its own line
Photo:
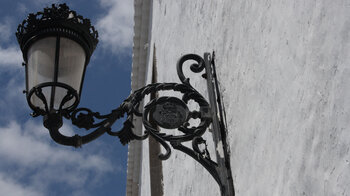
85 118
76 140
53 122
166 112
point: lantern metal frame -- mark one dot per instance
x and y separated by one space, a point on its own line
173 112
56 21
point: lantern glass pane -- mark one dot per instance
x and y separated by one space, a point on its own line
70 69
41 66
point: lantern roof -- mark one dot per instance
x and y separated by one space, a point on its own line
53 21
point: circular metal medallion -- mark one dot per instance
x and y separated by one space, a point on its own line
170 112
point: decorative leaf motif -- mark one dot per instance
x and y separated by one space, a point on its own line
84 121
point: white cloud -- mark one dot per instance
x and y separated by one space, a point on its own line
116 28
27 149
10 58
30 149
30 164
5 29
22 8
10 187
12 99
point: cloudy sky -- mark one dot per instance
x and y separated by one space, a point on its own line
30 162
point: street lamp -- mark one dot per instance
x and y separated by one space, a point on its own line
57 45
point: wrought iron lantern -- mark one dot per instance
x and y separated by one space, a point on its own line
57 45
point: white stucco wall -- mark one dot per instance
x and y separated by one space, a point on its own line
284 68
137 160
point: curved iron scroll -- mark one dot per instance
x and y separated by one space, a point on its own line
168 112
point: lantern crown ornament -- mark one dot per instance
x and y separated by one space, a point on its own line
57 20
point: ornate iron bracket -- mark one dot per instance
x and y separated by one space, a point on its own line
168 113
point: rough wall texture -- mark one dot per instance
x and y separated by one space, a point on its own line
284 68
136 161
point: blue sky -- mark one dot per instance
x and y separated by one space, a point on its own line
30 162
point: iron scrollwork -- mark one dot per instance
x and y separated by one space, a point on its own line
167 112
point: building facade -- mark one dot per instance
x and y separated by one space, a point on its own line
284 72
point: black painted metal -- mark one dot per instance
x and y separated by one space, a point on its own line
57 60
219 126
56 21
37 90
167 112
85 118
170 112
